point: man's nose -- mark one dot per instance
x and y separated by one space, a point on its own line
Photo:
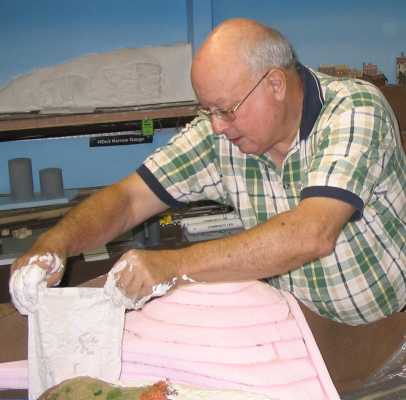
219 125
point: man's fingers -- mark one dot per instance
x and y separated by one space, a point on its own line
54 279
129 278
50 262
128 282
24 285
136 278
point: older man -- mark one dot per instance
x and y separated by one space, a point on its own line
312 164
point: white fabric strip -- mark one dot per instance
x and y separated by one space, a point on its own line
73 332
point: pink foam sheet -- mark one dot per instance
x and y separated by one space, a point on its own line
246 336
243 336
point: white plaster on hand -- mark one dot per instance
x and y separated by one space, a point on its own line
54 262
119 298
27 281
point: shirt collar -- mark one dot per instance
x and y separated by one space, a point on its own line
312 100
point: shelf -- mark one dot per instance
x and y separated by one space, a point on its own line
36 125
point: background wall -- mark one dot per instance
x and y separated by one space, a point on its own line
47 32
331 32
39 33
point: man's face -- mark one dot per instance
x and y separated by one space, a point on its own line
242 106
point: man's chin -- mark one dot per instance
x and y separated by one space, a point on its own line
247 147
249 150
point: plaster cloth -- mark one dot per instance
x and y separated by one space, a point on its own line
73 332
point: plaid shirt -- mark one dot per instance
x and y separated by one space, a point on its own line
348 148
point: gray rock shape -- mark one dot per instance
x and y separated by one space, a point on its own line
120 78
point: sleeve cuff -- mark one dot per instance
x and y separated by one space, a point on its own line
336 193
156 187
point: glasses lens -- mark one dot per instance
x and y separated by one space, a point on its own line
224 115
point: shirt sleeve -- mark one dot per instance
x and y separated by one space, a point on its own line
350 155
186 169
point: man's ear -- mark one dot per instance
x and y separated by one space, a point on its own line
277 80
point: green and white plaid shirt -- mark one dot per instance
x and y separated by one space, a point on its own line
348 148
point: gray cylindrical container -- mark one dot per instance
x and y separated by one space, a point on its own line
20 174
51 182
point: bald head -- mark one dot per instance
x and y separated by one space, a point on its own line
246 41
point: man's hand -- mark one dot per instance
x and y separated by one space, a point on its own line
140 275
46 258
34 270
137 272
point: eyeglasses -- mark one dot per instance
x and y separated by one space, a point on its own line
229 115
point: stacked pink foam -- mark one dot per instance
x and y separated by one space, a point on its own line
246 336
14 375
